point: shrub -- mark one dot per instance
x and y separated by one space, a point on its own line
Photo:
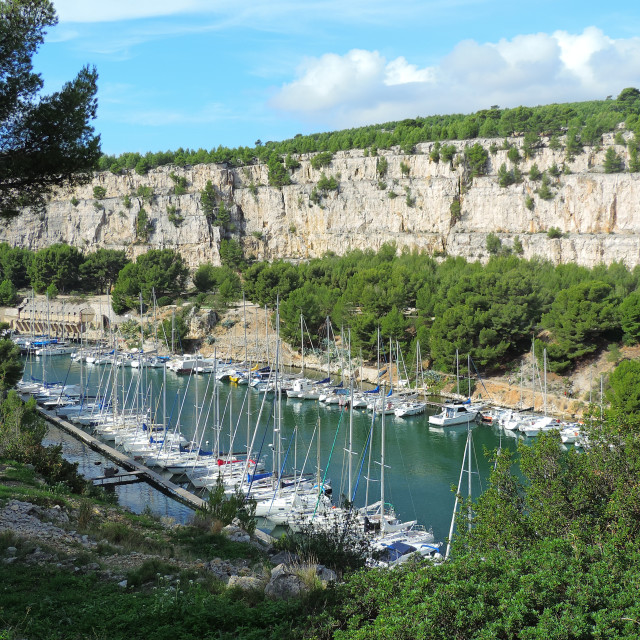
327 184
99 192
164 301
74 201
143 225
494 244
534 172
382 167
554 232
456 210
145 192
322 159
405 169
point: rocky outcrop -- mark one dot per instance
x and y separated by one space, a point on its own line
409 204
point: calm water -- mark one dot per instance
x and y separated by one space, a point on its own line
421 462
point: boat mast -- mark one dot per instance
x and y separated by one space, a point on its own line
350 444
382 458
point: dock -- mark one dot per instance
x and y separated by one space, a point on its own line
135 472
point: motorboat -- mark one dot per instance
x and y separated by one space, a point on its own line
453 414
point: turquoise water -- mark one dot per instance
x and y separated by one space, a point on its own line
422 463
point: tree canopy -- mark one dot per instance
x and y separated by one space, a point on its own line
45 140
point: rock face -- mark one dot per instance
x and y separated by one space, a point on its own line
409 204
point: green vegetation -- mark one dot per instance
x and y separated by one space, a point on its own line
278 174
179 184
327 184
144 226
208 199
160 269
173 214
99 192
145 192
583 123
613 162
47 140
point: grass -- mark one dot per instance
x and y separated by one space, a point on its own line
48 604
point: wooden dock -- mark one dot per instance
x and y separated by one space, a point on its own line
135 469
135 472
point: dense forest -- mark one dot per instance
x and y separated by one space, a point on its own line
492 310
582 122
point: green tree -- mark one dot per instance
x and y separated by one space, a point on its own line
52 291
278 174
14 264
321 159
476 158
623 391
8 296
544 191
494 244
101 268
143 225
162 270
10 366
382 166
630 318
518 249
208 200
612 161
578 316
231 254
204 278
534 172
46 141
58 264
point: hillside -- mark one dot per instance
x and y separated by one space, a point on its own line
360 200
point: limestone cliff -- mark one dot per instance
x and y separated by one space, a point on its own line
410 204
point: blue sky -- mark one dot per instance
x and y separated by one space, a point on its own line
203 73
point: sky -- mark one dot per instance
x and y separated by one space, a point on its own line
203 73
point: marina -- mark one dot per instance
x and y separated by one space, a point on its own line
422 461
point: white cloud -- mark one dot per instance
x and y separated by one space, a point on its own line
363 86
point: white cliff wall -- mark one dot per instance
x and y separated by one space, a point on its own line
597 213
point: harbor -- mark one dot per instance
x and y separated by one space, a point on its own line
422 461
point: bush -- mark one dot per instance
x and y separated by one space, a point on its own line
164 301
554 232
8 292
322 159
99 192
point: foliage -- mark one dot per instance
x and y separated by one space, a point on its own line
58 264
529 202
405 169
554 170
494 244
476 158
612 161
534 172
208 200
162 270
291 163
322 159
554 232
179 184
145 192
231 254
327 184
578 316
99 192
514 155
52 291
630 318
47 140
101 268
382 166
518 249
545 191
456 210
447 152
8 294
14 264
278 174
623 392
174 330
144 225
173 215
207 277
10 366
228 508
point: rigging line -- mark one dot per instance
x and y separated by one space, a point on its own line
364 455
264 435
326 469
404 466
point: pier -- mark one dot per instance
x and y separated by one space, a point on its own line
135 472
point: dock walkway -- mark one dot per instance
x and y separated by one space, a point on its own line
136 472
